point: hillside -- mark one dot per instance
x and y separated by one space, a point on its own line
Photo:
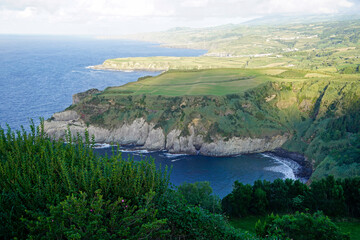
249 40
228 112
327 45
259 87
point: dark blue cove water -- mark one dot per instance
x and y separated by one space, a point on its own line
39 75
221 172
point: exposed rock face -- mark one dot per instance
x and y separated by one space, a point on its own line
80 96
145 136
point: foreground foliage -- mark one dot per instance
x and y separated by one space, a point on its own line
300 226
53 190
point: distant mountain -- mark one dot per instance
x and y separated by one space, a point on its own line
299 19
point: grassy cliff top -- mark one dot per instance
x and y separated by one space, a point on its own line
216 81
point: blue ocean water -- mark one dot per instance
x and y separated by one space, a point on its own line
39 75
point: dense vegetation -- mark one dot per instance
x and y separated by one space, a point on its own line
336 198
52 190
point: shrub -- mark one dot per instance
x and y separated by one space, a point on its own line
81 217
192 222
300 226
36 172
200 194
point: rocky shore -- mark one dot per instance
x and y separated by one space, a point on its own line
305 170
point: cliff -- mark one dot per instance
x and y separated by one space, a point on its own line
144 135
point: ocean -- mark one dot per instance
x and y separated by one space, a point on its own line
39 75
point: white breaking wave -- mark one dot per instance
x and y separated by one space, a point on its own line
102 145
136 151
173 155
286 167
175 160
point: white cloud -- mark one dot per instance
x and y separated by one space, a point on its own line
194 3
303 6
125 16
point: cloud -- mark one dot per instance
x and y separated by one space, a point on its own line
125 16
304 6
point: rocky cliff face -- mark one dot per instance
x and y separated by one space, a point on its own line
145 135
80 96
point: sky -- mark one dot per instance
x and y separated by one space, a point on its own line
119 17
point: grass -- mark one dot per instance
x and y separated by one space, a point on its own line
351 226
204 82
179 63
246 223
217 82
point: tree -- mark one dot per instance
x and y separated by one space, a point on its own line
238 202
200 194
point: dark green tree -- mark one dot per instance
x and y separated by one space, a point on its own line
200 194
238 202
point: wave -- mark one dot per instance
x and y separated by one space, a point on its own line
173 155
136 151
286 167
102 145
176 159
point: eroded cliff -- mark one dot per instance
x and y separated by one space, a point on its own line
144 135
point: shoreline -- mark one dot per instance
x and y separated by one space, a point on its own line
303 172
101 67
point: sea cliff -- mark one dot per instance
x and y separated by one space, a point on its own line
144 135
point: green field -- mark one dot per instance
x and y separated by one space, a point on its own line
204 82
213 81
168 63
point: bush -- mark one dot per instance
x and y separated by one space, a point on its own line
300 226
81 217
200 194
36 172
192 222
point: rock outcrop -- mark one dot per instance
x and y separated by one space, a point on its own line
76 98
146 135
